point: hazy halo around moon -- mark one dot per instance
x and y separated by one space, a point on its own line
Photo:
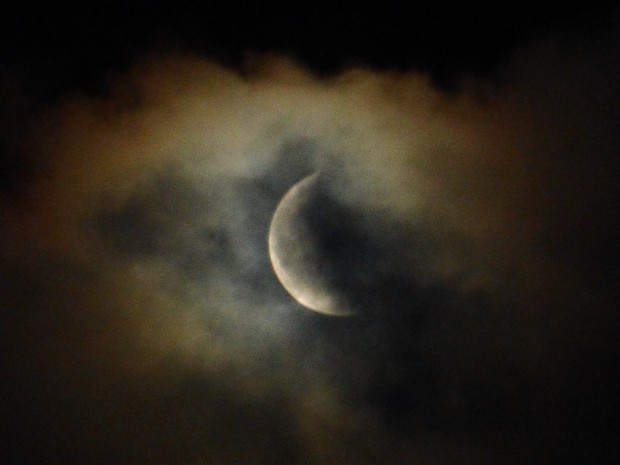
294 256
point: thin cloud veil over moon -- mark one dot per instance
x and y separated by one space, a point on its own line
294 255
179 250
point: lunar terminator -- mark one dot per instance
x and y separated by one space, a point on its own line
296 260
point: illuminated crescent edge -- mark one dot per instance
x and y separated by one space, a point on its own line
308 297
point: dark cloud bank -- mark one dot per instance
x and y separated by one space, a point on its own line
476 234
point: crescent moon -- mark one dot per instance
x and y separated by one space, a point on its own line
294 256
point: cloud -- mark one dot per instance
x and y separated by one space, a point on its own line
142 315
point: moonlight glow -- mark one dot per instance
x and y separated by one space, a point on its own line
294 256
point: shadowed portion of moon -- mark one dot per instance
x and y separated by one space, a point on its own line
296 257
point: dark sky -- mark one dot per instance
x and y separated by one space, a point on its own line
468 161
75 47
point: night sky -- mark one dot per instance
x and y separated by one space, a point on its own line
465 211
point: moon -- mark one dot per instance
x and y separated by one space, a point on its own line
296 260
